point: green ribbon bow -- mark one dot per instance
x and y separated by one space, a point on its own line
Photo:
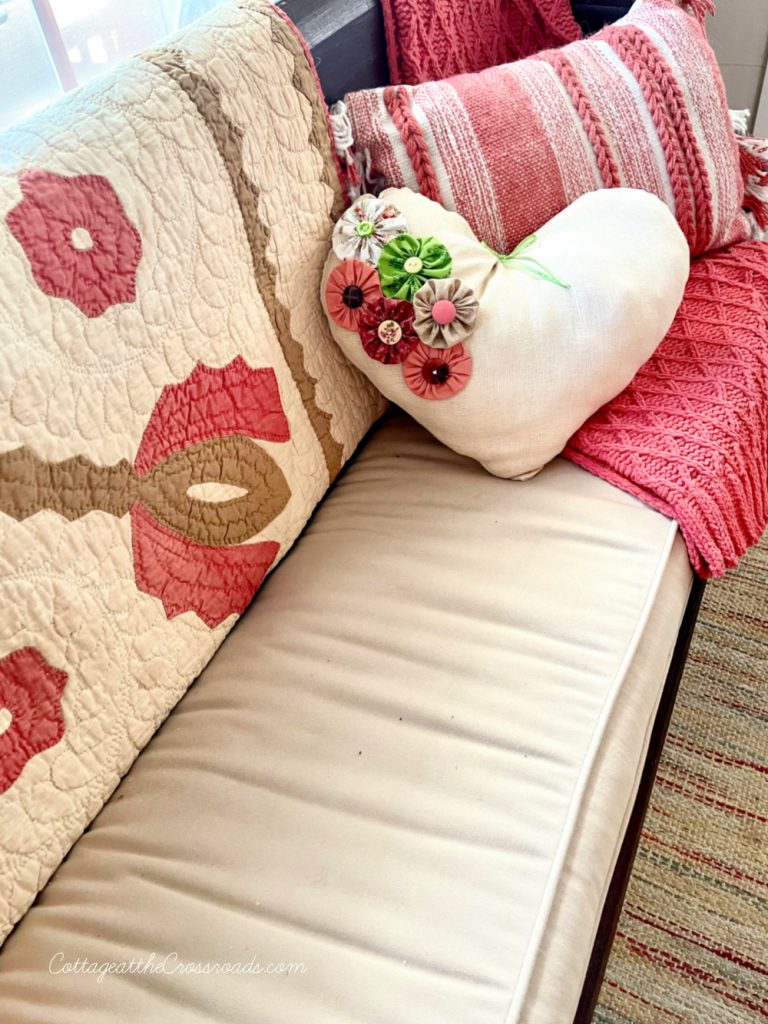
527 264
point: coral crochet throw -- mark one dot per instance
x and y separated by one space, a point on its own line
432 39
689 436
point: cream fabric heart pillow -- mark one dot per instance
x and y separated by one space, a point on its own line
504 357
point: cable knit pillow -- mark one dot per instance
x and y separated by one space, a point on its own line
503 357
641 104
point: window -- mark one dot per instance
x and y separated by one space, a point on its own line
48 47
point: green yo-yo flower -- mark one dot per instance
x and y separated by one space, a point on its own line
406 263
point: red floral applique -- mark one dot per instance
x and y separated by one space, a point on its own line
30 692
216 578
214 582
77 238
213 402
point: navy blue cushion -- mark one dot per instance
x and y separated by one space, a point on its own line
593 14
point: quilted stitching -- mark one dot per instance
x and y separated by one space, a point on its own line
79 384
30 693
79 243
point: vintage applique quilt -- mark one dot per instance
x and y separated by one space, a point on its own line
172 404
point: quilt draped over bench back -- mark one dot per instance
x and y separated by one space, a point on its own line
172 405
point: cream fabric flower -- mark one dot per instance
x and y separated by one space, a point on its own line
446 311
365 228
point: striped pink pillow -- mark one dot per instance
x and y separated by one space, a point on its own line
641 104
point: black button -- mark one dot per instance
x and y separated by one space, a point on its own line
353 296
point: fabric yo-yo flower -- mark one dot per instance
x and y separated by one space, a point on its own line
437 373
445 312
351 286
386 330
365 228
406 263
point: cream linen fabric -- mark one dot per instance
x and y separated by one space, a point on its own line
544 358
407 768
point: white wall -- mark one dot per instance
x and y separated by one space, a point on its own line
739 35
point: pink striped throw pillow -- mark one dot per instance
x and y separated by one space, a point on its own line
640 104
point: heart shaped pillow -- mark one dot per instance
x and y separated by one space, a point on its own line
503 357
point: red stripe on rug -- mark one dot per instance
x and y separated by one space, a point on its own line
710 801
701 858
715 756
644 1002
667 928
710 981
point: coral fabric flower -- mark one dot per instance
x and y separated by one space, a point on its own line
30 703
446 312
77 238
351 286
365 228
386 330
437 373
406 263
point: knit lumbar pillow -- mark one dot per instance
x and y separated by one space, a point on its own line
503 357
641 104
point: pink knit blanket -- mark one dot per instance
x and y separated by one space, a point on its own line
689 436
433 39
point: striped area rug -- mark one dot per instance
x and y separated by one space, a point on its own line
692 942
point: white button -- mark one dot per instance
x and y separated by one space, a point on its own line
390 332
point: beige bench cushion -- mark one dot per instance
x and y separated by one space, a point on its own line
408 768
